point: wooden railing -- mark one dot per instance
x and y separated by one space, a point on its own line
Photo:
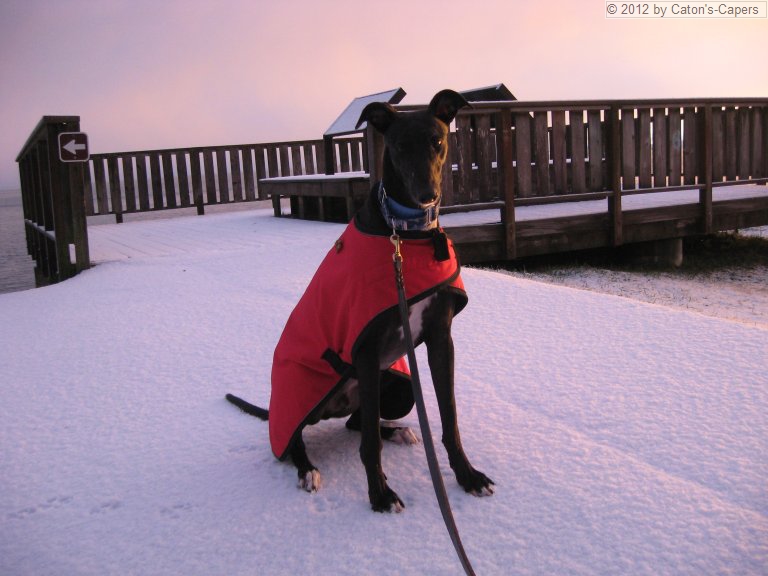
503 154
140 181
557 149
52 200
554 152
509 154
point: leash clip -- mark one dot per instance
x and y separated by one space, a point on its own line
395 239
397 259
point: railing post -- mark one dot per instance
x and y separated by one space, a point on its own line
705 193
504 162
78 219
614 201
59 198
375 152
330 157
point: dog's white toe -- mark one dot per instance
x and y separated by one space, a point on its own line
405 436
311 481
486 491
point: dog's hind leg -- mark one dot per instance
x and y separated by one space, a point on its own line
397 434
402 435
309 476
396 401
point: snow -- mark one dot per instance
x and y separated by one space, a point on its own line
732 293
314 177
624 437
347 120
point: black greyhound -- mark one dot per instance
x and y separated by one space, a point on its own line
406 201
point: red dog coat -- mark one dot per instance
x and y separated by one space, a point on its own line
354 284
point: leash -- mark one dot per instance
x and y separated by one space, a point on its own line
429 446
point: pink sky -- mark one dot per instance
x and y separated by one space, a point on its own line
156 74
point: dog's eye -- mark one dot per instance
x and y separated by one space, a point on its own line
437 142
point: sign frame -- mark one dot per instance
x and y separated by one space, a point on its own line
73 147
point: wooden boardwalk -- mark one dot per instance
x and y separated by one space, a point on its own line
146 236
508 157
553 228
629 157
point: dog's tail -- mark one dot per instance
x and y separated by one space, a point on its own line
248 408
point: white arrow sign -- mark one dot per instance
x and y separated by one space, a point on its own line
73 147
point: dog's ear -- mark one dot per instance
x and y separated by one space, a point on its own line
445 104
379 114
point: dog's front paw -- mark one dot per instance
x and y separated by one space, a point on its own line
387 501
311 480
476 483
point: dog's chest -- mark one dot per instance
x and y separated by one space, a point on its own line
393 347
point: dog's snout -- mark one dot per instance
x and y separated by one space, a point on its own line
428 198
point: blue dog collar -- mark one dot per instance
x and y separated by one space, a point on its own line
405 218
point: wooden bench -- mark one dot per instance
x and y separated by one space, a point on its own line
324 197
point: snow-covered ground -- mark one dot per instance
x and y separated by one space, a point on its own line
624 437
732 292
736 294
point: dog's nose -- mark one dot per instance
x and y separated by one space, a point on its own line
428 198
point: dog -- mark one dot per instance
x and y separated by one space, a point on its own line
341 352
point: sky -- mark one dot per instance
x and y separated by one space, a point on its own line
148 74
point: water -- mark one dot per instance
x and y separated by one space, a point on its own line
17 269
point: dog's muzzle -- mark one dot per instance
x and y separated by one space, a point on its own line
405 218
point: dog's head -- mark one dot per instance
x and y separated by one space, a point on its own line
416 147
